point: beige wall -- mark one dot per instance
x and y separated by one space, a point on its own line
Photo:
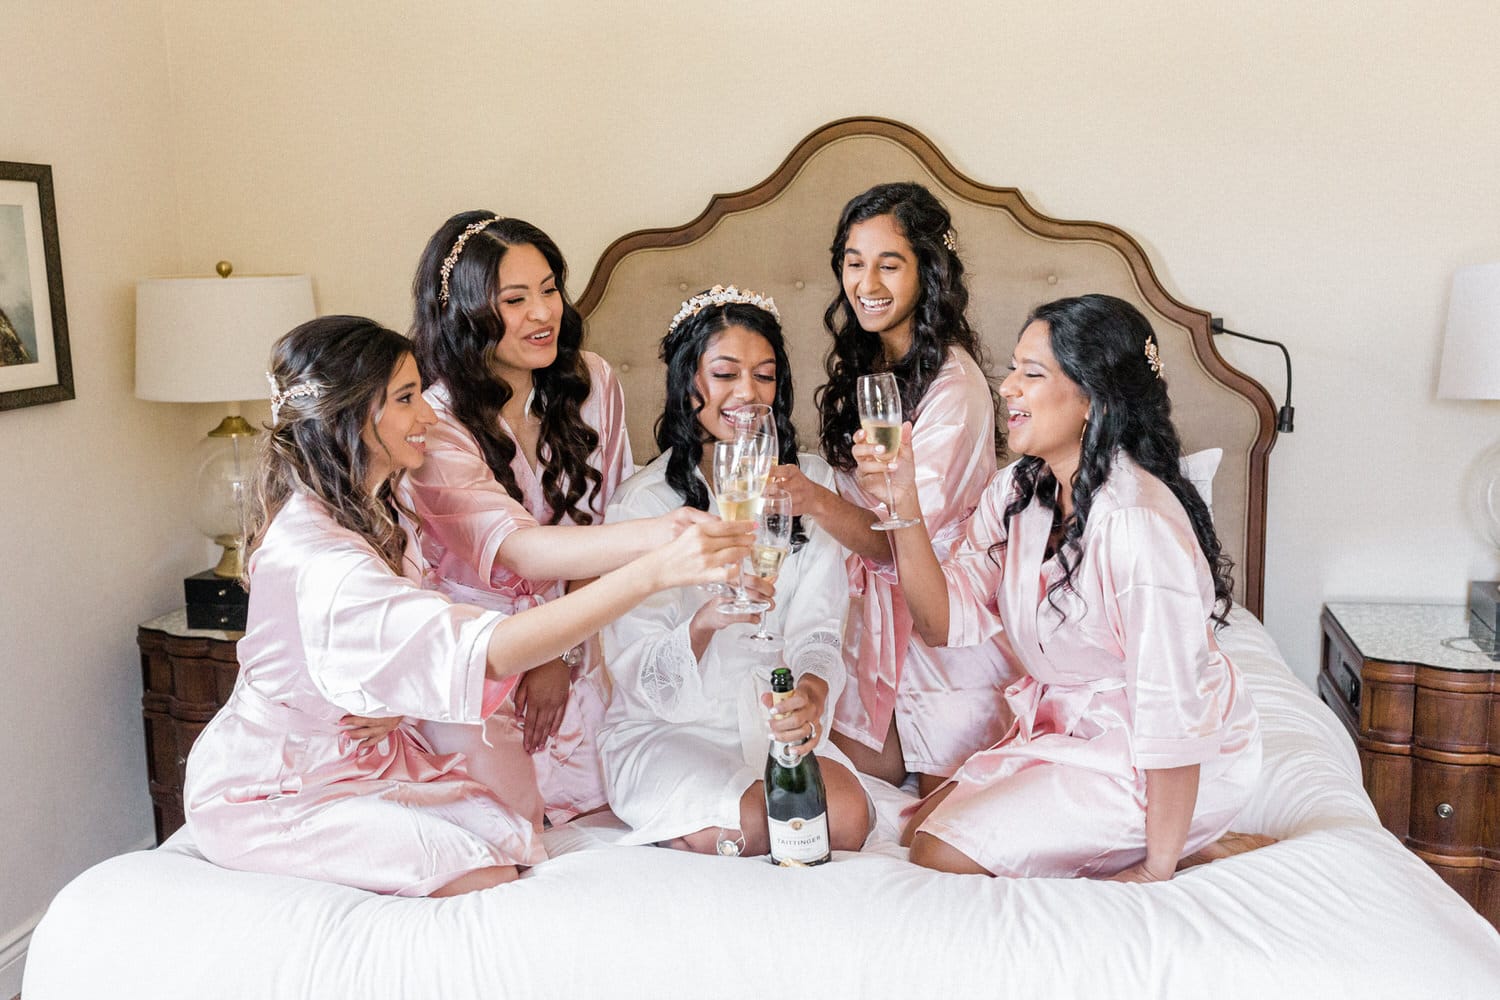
91 540
1311 172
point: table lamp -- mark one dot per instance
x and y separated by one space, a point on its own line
1471 370
208 340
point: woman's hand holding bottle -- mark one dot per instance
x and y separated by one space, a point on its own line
798 716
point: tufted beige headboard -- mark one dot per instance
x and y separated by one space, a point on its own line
774 238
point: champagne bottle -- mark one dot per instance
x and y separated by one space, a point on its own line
796 804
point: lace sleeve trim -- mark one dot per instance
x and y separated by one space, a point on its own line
669 676
819 652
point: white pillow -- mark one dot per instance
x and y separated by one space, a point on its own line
1198 469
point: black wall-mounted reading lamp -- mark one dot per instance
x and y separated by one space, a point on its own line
1283 415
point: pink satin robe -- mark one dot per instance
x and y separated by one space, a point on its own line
465 516
947 703
1131 680
273 785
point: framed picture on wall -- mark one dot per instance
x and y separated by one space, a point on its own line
35 364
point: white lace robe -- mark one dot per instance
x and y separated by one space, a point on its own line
683 738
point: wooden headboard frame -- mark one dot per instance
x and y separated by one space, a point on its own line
774 238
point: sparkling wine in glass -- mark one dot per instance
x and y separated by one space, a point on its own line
773 540
740 470
750 419
880 419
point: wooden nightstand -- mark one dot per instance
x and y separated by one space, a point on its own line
186 675
1426 719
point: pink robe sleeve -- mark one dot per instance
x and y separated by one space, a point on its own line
458 499
973 575
378 645
1153 577
605 412
953 442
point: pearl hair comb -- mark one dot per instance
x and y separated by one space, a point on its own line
1153 358
279 397
458 248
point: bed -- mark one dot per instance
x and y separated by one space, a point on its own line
1337 908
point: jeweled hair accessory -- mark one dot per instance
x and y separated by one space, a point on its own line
279 397
719 295
1152 357
458 248
950 240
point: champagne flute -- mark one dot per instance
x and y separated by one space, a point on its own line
880 418
751 419
740 471
773 540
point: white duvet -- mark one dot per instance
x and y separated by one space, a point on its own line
1338 908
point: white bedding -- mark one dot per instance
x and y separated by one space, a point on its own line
1338 908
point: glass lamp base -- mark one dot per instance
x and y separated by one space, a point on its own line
1484 493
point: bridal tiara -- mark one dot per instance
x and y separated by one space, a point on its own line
720 295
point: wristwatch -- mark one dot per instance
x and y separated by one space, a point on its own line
574 657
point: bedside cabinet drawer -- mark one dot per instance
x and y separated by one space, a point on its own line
1379 695
1447 806
1342 668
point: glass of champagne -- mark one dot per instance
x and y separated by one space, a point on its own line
751 419
880 419
773 540
740 471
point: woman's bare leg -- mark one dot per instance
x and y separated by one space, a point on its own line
929 783
920 816
752 829
930 852
1226 846
887 763
848 807
481 878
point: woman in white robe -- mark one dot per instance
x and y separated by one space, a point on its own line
685 738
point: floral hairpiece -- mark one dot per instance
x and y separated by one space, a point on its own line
950 240
458 248
1153 358
279 397
719 295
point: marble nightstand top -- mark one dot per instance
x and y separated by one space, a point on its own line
1412 633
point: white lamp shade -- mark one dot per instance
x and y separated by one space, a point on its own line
208 340
1471 343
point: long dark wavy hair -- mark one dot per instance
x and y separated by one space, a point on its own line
314 443
678 429
1100 344
456 341
939 320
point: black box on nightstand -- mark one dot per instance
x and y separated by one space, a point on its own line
1484 615
215 602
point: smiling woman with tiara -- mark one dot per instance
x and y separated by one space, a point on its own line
684 744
